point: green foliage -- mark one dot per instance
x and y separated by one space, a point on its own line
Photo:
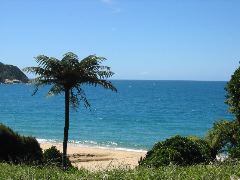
70 74
204 148
223 136
234 149
178 151
53 157
234 152
11 72
233 94
207 172
18 149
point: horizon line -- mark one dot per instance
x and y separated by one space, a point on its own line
168 80
189 80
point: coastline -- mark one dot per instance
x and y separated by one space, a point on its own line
89 145
99 158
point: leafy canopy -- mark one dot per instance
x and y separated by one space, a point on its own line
70 74
233 94
223 135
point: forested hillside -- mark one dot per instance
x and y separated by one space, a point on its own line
12 72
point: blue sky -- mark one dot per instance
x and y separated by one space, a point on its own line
142 39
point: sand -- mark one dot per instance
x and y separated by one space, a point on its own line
99 158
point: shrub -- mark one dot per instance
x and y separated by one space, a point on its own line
18 149
53 157
31 149
234 151
223 137
179 151
204 148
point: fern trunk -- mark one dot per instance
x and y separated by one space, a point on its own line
66 128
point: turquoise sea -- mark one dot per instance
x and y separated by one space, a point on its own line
139 115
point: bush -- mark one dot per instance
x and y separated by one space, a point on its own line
53 157
234 152
223 137
18 149
204 148
179 151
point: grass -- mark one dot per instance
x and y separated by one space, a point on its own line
221 171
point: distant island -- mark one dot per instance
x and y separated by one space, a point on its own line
10 74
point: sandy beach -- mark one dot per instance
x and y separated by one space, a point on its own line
92 158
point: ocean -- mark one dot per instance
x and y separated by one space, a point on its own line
140 114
